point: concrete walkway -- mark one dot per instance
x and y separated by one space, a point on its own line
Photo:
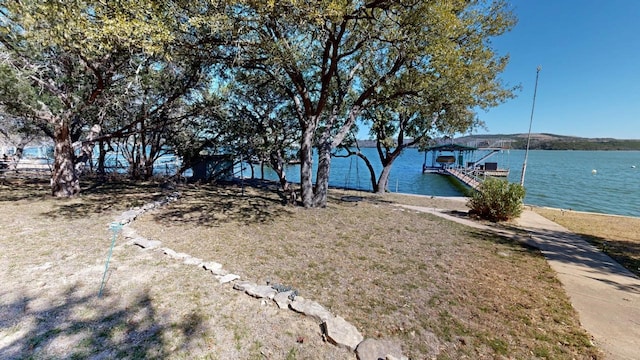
605 295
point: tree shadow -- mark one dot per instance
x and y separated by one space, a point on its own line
626 253
343 195
250 201
105 197
515 242
82 326
575 250
95 197
213 205
23 188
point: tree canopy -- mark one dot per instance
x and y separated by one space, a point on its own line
336 59
68 66
303 72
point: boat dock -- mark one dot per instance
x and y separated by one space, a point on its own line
457 160
463 177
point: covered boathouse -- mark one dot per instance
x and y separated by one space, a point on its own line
446 156
457 161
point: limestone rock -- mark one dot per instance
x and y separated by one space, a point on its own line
371 349
128 216
169 252
176 255
189 260
148 206
341 333
146 243
228 278
283 300
262 291
128 232
311 309
243 285
214 267
182 256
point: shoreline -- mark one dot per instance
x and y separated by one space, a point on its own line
581 212
530 206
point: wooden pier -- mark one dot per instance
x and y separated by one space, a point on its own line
466 179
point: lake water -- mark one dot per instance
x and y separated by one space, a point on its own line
595 181
560 179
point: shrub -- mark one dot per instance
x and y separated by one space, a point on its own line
497 200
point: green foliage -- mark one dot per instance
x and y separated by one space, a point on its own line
497 200
408 69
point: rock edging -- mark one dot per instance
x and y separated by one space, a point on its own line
335 329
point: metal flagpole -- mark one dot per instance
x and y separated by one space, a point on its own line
526 153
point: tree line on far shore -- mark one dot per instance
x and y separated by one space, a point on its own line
274 81
538 142
547 141
579 144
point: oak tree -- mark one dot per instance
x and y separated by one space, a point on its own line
335 59
66 63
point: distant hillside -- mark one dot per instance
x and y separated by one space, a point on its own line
541 141
555 142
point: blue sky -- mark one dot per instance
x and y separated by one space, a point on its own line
589 85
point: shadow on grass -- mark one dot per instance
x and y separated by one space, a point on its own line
95 197
23 188
82 326
106 197
583 251
253 201
515 243
212 205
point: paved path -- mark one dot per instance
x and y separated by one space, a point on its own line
605 295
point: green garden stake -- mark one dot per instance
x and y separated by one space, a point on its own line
115 227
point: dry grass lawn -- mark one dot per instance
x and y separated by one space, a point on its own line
52 259
443 290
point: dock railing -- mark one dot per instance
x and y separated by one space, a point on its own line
465 177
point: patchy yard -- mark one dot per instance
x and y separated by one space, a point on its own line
442 290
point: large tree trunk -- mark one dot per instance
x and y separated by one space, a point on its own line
306 162
150 160
131 151
387 163
383 180
64 180
322 177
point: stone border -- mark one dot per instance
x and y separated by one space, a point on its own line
335 329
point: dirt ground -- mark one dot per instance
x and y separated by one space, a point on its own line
52 261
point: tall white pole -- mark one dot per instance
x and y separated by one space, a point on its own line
526 153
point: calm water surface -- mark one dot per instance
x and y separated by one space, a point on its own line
561 179
596 181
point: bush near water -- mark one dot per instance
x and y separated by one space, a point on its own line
497 200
